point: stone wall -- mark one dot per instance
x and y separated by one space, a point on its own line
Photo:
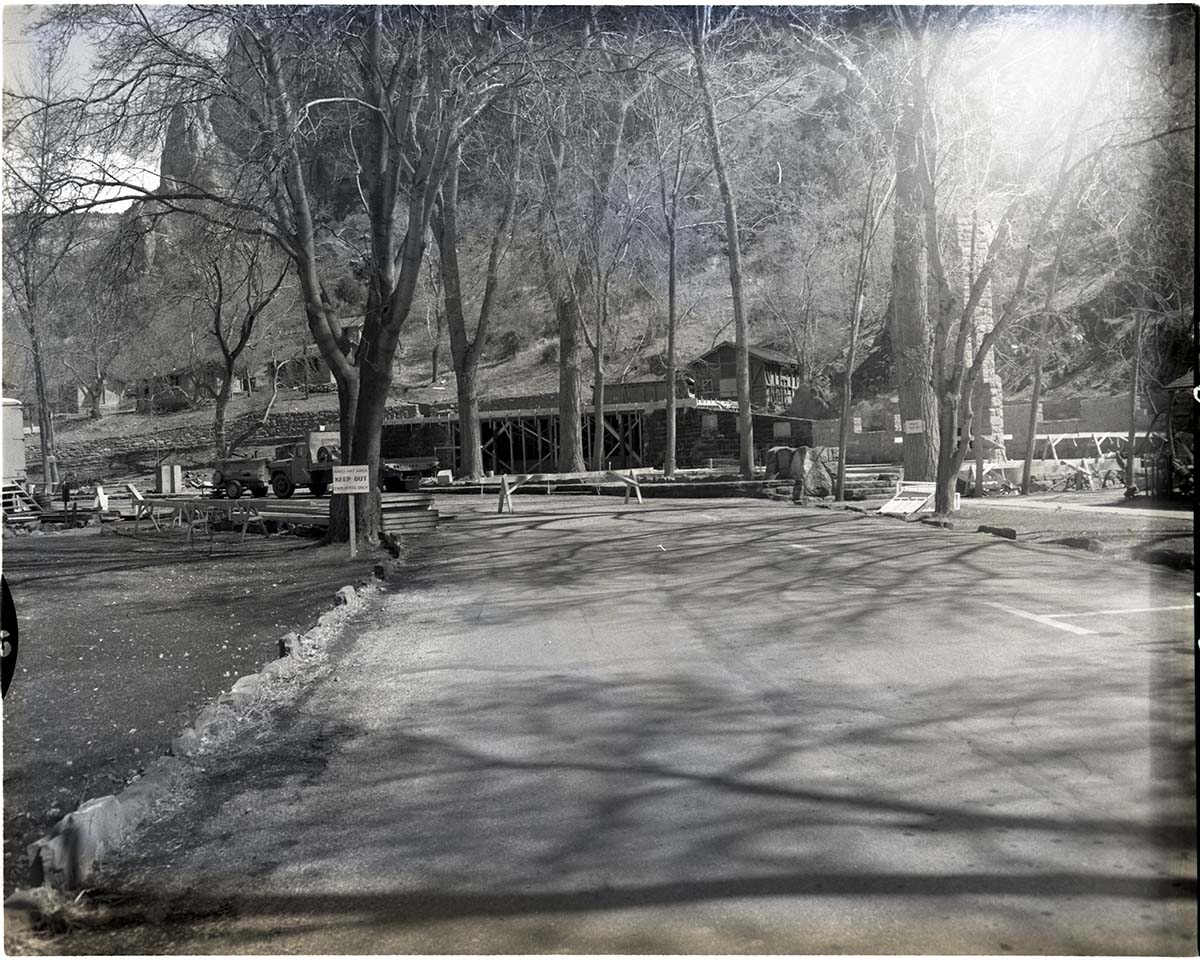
862 448
704 435
989 392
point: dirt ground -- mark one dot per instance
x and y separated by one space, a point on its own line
122 639
1121 533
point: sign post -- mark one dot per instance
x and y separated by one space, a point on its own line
351 480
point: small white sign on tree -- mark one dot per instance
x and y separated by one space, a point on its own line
351 479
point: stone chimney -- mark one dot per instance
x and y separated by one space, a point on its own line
988 400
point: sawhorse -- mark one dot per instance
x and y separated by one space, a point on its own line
507 487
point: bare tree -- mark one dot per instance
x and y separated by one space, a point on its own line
237 289
874 208
466 350
674 142
733 243
38 139
605 100
392 89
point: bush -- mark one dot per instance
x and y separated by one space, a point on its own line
550 352
505 346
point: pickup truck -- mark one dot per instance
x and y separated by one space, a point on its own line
232 477
309 463
399 475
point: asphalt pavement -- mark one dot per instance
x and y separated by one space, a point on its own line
719 726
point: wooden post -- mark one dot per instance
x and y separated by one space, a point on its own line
353 535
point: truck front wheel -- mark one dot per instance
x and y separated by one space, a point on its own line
281 485
318 488
233 489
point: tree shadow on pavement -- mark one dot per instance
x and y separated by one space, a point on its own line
465 802
565 795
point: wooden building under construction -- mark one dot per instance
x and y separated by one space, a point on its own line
522 435
774 377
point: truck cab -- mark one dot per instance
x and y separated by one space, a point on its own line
308 463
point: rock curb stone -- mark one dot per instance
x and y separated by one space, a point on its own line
1005 531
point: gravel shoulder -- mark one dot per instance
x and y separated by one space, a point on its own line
1120 527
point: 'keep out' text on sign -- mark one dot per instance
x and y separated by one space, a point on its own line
351 479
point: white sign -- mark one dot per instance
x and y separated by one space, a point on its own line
912 426
351 479
858 423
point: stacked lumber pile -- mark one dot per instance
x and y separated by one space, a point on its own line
407 514
403 513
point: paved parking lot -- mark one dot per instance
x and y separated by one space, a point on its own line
726 726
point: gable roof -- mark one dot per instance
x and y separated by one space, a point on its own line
1185 381
756 351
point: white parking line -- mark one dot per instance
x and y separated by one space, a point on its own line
1045 621
806 549
1136 609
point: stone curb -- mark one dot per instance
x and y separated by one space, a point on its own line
1175 559
64 859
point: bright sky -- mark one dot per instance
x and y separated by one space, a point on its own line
18 49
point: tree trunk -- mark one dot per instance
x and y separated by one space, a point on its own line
977 431
570 399
914 365
1038 349
1133 382
598 404
465 352
374 382
471 451
669 456
347 390
1035 400
745 422
222 403
97 395
50 472
847 396
946 470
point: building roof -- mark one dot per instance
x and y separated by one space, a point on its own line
756 351
1185 381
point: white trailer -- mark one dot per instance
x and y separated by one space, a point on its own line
14 443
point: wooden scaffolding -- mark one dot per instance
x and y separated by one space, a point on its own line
522 441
